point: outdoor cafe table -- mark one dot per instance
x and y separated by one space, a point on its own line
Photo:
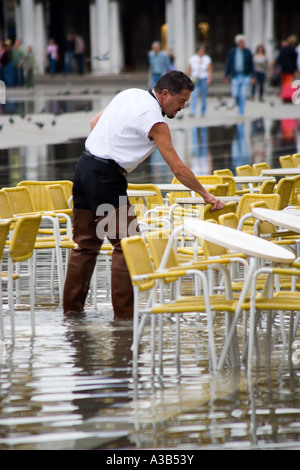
167 187
281 172
250 180
283 219
140 193
238 242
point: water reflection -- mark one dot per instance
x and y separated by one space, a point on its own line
240 154
203 148
71 387
42 105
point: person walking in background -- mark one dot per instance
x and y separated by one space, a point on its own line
159 63
2 49
7 65
260 62
17 57
239 66
79 53
52 54
287 61
200 70
69 54
29 68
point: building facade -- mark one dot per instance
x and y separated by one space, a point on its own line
119 33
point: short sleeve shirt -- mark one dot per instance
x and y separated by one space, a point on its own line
121 133
199 65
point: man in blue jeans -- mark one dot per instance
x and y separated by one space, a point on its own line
239 66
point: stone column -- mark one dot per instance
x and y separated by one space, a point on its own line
31 29
116 56
258 21
190 29
178 15
103 45
247 22
269 40
27 23
40 44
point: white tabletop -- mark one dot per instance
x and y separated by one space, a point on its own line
251 179
179 187
238 241
283 219
139 193
200 200
281 172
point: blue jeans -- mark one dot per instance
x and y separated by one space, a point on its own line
260 80
200 87
52 66
240 89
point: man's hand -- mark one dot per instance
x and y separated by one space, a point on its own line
216 203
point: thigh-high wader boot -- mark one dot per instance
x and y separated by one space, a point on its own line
82 261
121 287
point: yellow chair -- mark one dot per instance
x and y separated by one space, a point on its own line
274 302
204 179
245 205
145 278
220 190
49 238
205 214
57 199
296 159
229 220
295 191
245 170
4 232
258 167
21 248
267 187
223 172
39 196
286 161
285 189
152 201
232 188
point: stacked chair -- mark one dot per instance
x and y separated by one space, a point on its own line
216 276
34 228
183 264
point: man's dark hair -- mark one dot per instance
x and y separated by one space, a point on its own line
174 81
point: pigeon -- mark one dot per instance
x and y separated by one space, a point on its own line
11 121
102 57
1 127
39 124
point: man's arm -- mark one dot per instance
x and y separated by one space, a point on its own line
160 133
95 119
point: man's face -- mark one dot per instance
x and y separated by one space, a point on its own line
171 104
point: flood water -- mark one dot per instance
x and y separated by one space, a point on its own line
71 386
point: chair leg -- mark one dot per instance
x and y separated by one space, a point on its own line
32 297
10 288
1 308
